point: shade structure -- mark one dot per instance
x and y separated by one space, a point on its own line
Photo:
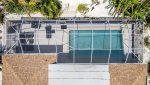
84 41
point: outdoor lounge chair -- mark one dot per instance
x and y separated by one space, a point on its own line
48 31
63 26
35 24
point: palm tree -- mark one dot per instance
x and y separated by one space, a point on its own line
18 7
30 7
50 8
13 6
133 9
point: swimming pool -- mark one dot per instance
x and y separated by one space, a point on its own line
96 43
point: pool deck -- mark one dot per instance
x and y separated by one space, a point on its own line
61 37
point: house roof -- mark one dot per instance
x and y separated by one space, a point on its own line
26 69
128 74
33 70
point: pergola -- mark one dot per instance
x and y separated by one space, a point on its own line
51 37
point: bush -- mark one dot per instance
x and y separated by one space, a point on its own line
83 9
147 25
93 1
147 41
148 20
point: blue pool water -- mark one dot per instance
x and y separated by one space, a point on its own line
83 42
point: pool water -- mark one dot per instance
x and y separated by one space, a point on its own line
85 43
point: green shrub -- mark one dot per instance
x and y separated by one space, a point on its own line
148 20
147 25
147 41
93 1
83 9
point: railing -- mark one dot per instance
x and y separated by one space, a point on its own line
78 18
